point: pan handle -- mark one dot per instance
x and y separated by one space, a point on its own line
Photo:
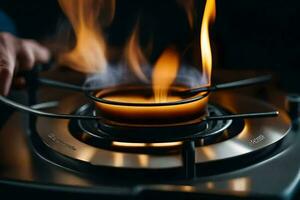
36 112
33 80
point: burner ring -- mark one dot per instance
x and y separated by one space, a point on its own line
204 132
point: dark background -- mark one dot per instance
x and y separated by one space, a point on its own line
248 34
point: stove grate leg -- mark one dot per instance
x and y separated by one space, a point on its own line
189 159
32 87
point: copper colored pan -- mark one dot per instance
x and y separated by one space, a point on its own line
135 105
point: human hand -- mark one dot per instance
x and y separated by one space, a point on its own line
18 55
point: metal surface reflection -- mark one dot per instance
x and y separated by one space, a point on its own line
242 184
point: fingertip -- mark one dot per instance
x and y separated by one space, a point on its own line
31 53
42 54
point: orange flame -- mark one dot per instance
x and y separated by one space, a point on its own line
134 56
164 74
206 55
89 54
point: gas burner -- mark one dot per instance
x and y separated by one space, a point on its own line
85 140
129 138
90 132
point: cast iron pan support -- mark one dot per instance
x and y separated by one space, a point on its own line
32 87
189 159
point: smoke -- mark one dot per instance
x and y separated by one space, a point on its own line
119 74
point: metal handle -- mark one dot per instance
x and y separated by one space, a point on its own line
62 85
230 85
25 108
244 116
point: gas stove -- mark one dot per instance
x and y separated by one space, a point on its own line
226 157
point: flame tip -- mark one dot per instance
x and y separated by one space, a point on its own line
206 54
